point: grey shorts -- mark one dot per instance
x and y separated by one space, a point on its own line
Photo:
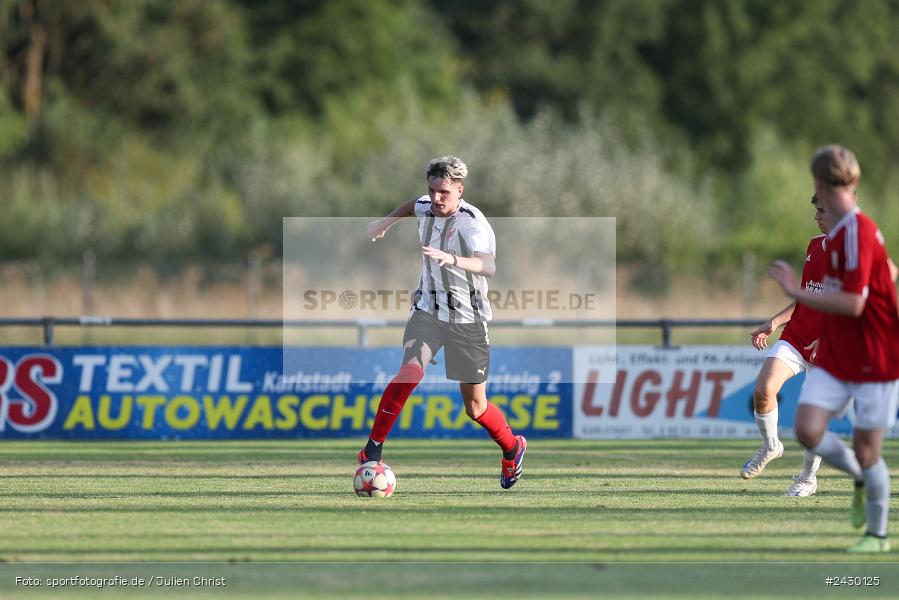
466 345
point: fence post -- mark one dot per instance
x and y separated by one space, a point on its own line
48 331
88 280
749 269
88 283
254 282
666 333
254 289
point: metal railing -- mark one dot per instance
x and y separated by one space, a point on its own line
363 326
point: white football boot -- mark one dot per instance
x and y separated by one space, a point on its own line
802 487
755 465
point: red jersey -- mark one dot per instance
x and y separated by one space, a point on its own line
866 348
804 326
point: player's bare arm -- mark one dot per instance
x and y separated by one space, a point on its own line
759 337
378 228
838 303
479 264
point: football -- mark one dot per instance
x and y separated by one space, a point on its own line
374 479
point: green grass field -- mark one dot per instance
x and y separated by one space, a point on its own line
601 507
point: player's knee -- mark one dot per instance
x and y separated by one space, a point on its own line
414 360
867 457
475 409
807 435
764 395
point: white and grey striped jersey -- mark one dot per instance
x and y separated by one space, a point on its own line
450 293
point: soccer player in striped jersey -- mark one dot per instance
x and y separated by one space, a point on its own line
450 310
858 349
792 354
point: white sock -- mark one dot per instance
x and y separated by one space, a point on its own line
838 455
877 490
811 462
767 424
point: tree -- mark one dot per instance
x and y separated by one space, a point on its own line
560 54
314 52
92 69
817 72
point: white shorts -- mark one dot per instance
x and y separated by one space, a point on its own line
875 402
786 353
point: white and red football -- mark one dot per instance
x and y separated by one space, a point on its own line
374 479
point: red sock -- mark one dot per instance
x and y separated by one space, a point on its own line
394 399
496 425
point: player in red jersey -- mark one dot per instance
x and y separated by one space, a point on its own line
859 345
787 358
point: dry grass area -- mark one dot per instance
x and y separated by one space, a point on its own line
141 292
232 292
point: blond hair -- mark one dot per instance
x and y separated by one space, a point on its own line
836 166
451 168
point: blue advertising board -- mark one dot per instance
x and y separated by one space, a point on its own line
247 393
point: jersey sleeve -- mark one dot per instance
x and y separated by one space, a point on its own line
813 244
422 206
858 256
808 266
479 237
